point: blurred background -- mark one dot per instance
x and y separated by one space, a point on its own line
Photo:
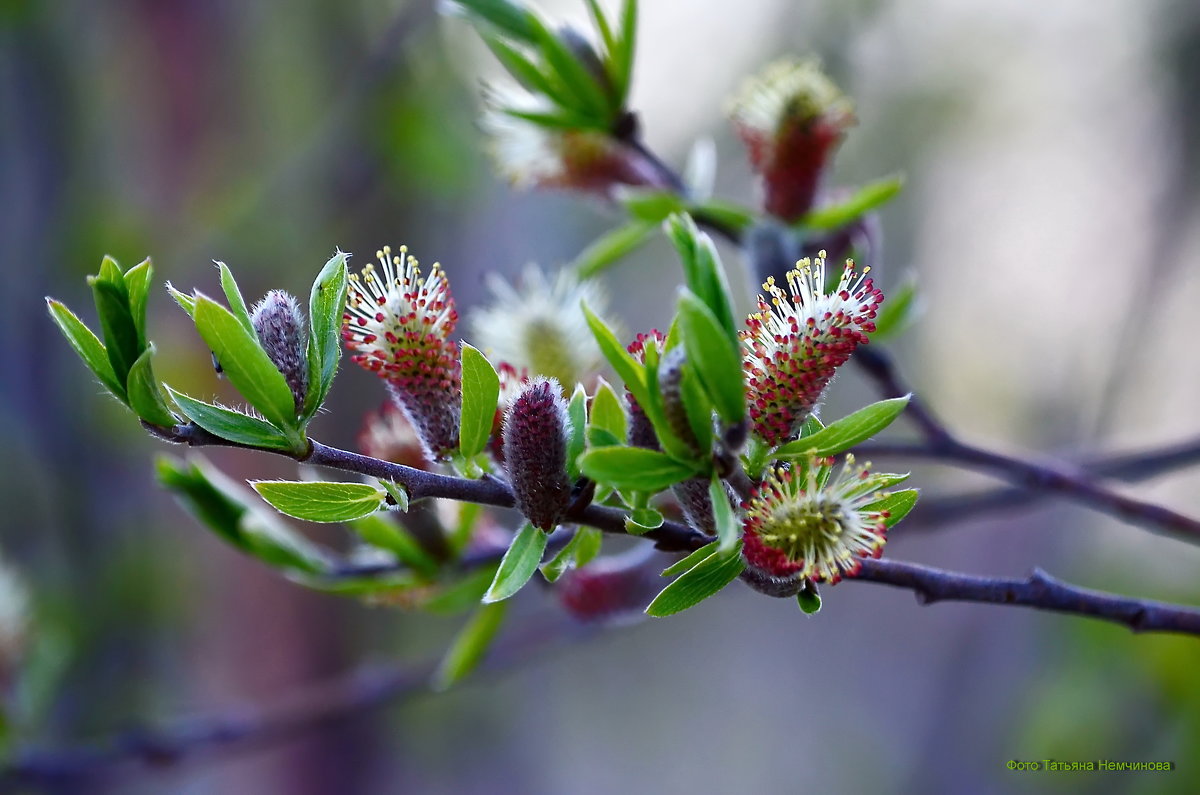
1052 152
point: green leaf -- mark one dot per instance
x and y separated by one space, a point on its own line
137 283
326 304
577 413
703 272
631 373
518 565
321 501
470 645
610 247
865 199
237 304
698 407
503 15
602 25
587 95
225 509
462 594
87 346
650 205
359 586
625 46
722 213
716 358
560 119
608 413
380 532
480 392
398 493
634 468
579 551
231 425
809 601
837 437
698 583
642 520
245 363
897 504
599 437
526 72
684 564
186 302
110 271
729 529
898 312
145 396
116 323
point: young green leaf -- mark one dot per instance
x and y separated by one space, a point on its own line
716 359
642 520
379 531
231 425
186 302
837 437
725 214
225 508
698 583
623 50
587 96
503 15
628 369
245 363
137 283
634 468
116 323
145 396
518 565
650 205
698 407
729 529
684 564
897 504
865 199
577 413
897 313
87 346
607 412
480 391
703 272
602 24
470 645
579 551
237 304
390 584
326 303
321 501
526 72
462 594
611 247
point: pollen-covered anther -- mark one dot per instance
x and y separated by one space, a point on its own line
796 527
397 325
796 340
283 334
536 430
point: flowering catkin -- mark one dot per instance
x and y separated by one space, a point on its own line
536 430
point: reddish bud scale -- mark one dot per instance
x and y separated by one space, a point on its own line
283 334
795 343
398 326
536 430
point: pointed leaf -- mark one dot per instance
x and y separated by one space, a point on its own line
608 413
231 425
379 531
837 437
703 272
145 396
518 565
579 551
321 501
634 468
716 359
237 304
186 302
631 373
116 323
608 249
245 363
865 199
326 304
87 346
703 580
470 645
684 564
898 504
729 529
504 15
577 413
137 283
480 392
809 601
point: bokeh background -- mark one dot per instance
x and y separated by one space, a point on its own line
1052 152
